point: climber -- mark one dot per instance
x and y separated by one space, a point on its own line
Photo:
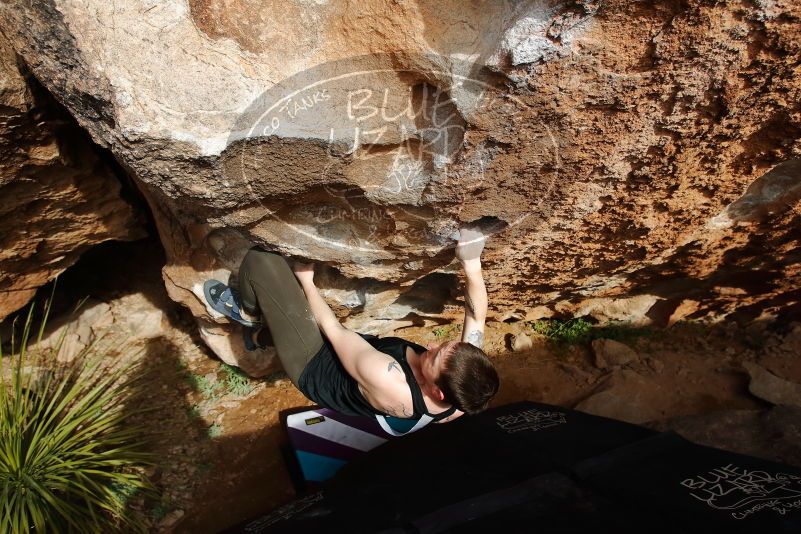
359 374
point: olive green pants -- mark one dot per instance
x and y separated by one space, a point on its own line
269 287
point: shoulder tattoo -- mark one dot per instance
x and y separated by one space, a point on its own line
398 411
394 365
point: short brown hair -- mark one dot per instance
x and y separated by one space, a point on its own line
468 380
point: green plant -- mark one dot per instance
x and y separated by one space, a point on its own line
193 412
570 332
441 332
70 456
577 331
209 389
160 510
236 381
623 332
215 431
193 380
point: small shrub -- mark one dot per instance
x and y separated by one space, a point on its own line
579 331
570 332
193 412
160 510
209 389
623 332
442 332
236 381
70 458
215 431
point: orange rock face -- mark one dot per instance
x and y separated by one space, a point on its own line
59 198
633 161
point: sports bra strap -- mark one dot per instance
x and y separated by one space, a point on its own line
398 353
423 421
447 413
418 403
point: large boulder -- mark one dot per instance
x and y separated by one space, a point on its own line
59 195
619 153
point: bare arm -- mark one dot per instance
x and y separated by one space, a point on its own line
475 304
471 243
379 376
349 346
325 318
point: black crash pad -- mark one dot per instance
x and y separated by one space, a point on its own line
531 467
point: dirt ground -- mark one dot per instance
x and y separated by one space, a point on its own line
217 434
212 480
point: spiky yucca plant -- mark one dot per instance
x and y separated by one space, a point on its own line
69 454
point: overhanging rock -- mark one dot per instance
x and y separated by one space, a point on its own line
596 140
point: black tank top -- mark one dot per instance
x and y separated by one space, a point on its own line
326 382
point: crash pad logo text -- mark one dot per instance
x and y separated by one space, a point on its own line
745 492
530 420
